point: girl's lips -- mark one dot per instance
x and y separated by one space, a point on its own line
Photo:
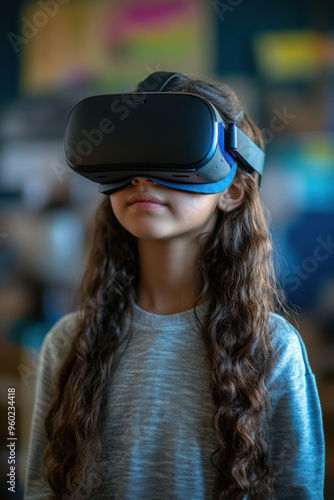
145 200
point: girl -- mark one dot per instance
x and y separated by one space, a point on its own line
176 379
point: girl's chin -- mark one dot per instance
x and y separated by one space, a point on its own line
147 233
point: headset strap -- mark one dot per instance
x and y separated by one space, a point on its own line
156 81
238 143
243 148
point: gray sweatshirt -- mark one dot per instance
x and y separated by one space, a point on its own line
158 436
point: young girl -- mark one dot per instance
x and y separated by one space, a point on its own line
176 379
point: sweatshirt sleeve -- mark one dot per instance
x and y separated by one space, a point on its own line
52 352
296 429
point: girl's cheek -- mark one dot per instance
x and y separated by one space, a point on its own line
115 200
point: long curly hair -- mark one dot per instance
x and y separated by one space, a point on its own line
237 274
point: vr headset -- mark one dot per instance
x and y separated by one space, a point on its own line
178 140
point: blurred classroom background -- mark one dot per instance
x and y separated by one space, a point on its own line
278 56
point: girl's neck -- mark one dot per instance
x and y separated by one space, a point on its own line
167 276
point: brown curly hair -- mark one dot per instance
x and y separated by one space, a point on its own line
237 275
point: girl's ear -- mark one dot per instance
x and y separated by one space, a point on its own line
233 196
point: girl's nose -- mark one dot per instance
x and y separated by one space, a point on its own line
141 180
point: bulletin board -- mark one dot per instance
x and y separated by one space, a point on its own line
112 45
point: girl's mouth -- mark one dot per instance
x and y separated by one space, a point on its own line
145 201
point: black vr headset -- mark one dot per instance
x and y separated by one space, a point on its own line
178 140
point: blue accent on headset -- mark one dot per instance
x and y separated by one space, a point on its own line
210 188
